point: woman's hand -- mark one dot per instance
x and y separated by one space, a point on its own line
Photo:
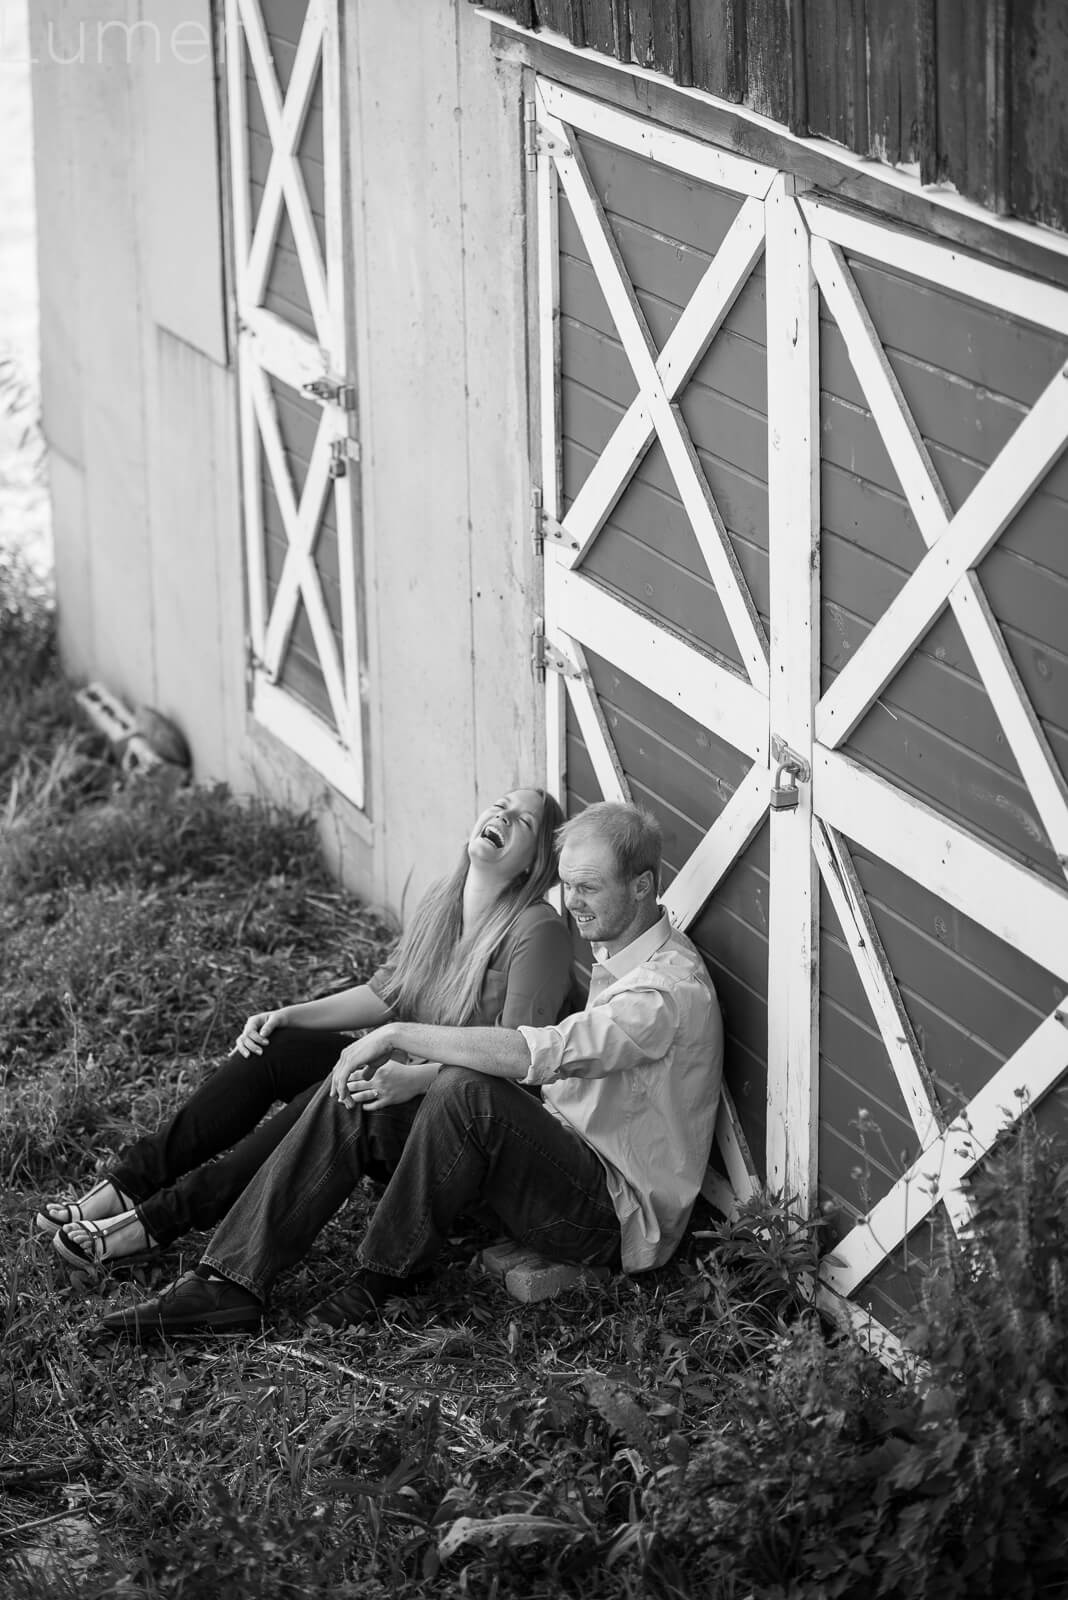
257 1031
389 1084
359 1059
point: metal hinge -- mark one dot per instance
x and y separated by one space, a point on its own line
332 392
530 134
545 657
538 140
254 664
543 527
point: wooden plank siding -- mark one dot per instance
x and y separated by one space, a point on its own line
972 90
685 776
287 293
972 1000
667 228
969 374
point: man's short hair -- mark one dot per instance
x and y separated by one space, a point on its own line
632 833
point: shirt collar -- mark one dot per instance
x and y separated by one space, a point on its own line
639 949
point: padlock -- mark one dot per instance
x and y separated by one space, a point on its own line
784 792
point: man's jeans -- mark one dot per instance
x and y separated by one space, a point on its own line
472 1141
164 1172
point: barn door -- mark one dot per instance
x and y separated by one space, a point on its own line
298 397
940 744
724 418
655 526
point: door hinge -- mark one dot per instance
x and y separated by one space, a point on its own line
254 663
545 657
543 527
342 451
331 392
530 134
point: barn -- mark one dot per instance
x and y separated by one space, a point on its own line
663 398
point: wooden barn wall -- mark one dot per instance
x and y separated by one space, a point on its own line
972 90
137 398
141 413
437 152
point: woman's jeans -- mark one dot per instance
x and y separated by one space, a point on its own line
164 1173
472 1141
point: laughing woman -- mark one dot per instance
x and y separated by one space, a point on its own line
483 947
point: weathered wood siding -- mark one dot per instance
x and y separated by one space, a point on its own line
972 90
141 416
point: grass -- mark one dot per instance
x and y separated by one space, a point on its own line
692 1434
470 1444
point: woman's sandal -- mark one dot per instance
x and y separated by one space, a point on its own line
89 1255
47 1220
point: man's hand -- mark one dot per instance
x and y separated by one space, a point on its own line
257 1030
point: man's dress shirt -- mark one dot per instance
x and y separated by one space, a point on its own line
637 1075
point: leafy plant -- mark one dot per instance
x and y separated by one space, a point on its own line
826 1477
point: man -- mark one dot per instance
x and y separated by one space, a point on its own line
602 1169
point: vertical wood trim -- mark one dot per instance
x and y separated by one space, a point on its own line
332 185
860 77
576 23
339 276
793 517
798 122
621 28
239 195
683 30
997 106
551 446
549 331
927 90
738 58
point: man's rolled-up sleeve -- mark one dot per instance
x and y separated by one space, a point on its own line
632 1029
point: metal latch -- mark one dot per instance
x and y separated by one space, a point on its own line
331 392
342 451
790 770
545 657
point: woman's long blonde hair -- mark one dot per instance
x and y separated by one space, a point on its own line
441 972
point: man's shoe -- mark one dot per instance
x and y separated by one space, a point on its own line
187 1306
360 1301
